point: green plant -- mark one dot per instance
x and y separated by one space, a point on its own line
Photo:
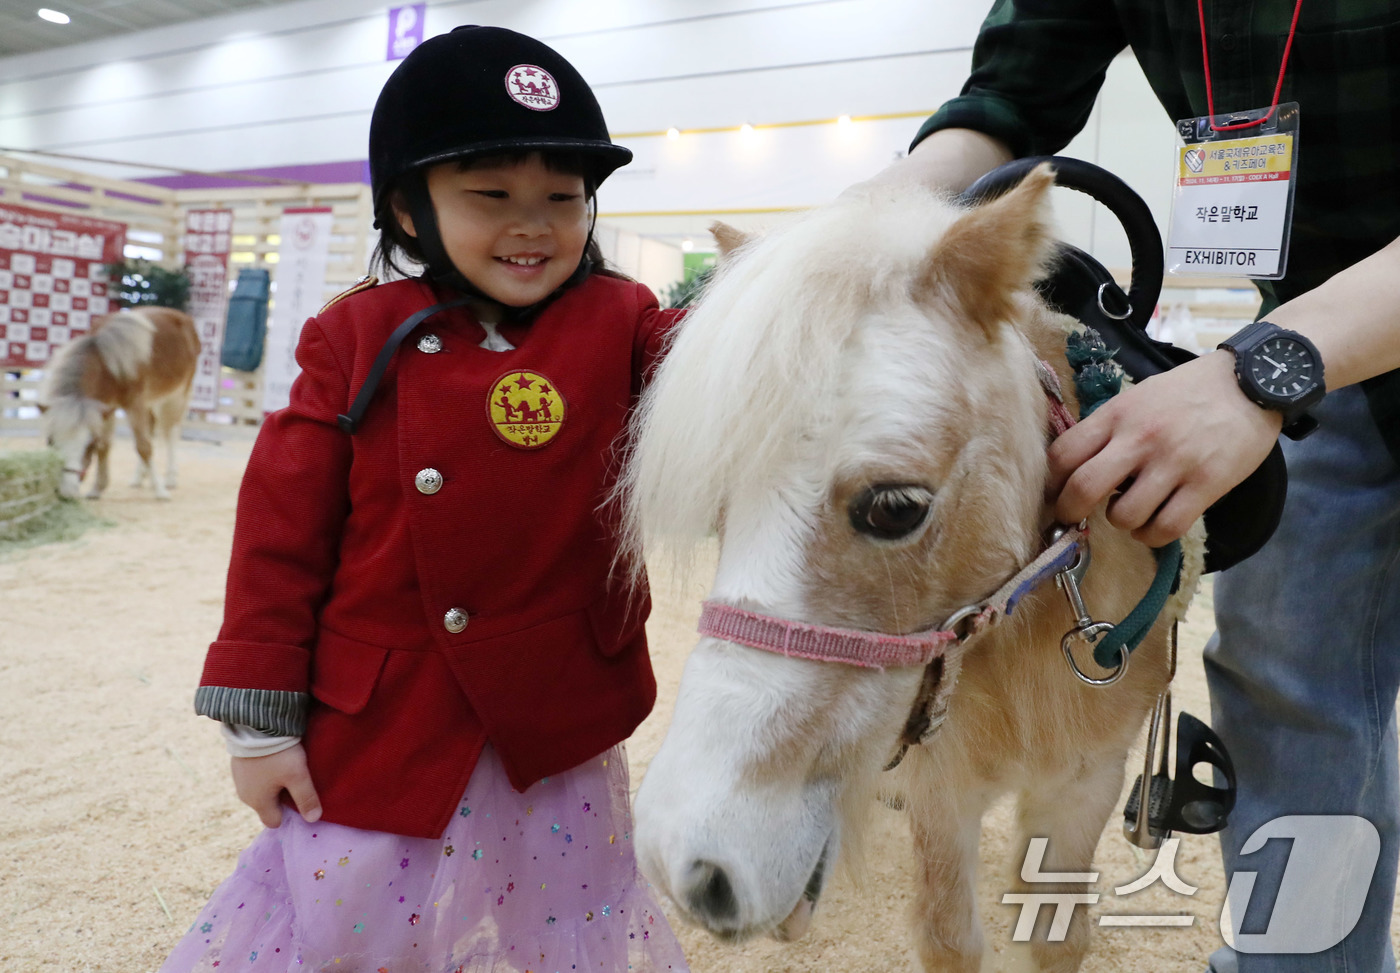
134 282
683 293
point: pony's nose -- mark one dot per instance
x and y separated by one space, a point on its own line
710 895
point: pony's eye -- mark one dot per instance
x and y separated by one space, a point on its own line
890 512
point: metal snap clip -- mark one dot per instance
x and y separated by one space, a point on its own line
1090 634
1085 628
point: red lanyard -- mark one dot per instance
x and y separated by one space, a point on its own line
1205 59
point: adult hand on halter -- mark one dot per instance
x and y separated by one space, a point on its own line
1169 446
260 782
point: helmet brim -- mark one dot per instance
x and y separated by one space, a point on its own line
608 157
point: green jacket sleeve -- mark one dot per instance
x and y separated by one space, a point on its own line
1037 67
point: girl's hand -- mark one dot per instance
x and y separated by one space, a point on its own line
1174 444
260 782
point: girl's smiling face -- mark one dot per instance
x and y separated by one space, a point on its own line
515 229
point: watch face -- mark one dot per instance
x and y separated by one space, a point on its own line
1283 368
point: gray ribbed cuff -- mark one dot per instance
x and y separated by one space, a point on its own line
274 711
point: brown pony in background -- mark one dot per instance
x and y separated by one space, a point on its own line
141 361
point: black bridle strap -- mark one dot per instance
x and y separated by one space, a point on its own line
350 422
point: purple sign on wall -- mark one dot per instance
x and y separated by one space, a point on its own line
405 30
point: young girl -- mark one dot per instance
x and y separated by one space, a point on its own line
423 653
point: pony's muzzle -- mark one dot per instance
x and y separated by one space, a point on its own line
69 484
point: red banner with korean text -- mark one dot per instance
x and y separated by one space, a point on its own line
52 285
208 239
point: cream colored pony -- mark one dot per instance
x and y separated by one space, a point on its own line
141 361
855 407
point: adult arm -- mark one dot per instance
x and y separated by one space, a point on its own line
950 159
1037 67
1187 436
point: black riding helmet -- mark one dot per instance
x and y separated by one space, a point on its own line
471 92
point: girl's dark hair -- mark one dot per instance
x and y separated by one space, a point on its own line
394 244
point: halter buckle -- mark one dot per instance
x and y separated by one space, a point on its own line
962 621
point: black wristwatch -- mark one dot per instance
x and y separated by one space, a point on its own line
1280 370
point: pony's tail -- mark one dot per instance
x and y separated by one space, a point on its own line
123 342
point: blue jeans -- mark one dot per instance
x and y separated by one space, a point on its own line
1303 673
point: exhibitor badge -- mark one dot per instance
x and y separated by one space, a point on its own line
1232 206
525 409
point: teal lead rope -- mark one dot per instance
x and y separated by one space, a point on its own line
1098 378
1132 630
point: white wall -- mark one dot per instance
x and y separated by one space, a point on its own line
295 85
655 263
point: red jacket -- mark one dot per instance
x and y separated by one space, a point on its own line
344 570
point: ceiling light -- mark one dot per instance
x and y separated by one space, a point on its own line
844 120
746 129
687 245
53 16
673 133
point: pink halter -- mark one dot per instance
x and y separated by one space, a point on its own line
876 650
870 649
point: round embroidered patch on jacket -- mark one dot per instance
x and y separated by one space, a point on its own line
525 409
532 86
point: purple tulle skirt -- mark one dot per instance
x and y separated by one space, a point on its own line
543 881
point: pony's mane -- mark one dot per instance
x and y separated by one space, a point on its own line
124 344
752 367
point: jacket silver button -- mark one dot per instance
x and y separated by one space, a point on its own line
428 481
455 620
430 344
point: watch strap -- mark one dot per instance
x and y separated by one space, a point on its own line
1300 428
1249 336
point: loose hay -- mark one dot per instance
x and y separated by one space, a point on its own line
31 511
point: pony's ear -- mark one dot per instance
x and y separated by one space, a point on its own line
729 238
994 250
43 407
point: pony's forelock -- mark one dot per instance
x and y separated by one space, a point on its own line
67 417
755 366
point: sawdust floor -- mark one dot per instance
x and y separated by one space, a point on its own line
117 816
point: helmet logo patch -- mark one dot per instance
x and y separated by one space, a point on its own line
533 87
525 409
